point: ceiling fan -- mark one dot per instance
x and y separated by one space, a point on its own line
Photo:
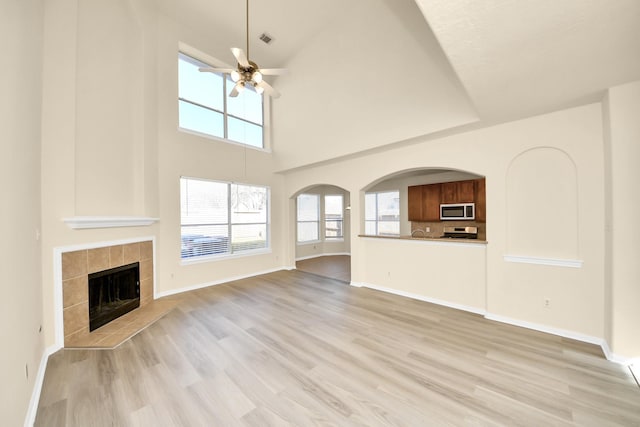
248 72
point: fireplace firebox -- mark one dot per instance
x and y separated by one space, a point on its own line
113 293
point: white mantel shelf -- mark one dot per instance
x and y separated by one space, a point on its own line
85 222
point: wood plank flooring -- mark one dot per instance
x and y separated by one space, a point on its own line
295 349
332 266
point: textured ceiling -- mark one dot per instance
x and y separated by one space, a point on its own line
513 58
524 57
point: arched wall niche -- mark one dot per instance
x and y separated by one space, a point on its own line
542 204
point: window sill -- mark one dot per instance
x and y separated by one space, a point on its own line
218 139
310 242
223 257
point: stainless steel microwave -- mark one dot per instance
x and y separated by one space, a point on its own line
458 211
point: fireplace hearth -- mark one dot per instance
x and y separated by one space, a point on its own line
113 293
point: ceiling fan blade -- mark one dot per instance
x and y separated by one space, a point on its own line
216 70
234 92
240 56
269 90
273 71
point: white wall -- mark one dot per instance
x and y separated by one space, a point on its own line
624 175
110 92
186 154
20 114
376 78
513 290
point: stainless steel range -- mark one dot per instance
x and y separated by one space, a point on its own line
460 233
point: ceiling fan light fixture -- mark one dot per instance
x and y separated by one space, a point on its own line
235 76
259 89
239 87
257 76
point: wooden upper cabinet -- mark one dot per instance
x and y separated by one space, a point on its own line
465 191
424 200
415 202
449 192
458 192
431 195
480 200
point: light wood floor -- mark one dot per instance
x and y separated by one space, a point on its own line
294 349
333 266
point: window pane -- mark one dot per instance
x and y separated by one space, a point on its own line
333 216
307 231
202 88
370 227
248 236
308 207
388 227
389 206
248 204
204 240
247 105
333 229
245 132
333 206
200 119
370 206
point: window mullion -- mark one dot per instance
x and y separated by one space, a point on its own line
224 103
229 218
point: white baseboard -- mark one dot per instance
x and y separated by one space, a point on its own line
601 342
420 297
515 322
319 255
32 410
216 282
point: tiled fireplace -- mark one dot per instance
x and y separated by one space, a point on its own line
76 267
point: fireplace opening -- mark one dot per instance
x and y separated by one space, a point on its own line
113 293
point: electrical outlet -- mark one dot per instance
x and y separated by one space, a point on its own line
428 229
547 302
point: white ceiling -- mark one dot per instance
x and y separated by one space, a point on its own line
523 57
514 58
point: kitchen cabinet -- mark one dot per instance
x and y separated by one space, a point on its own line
480 200
424 200
415 202
458 192
431 195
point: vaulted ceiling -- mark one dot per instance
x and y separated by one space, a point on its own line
513 57
370 73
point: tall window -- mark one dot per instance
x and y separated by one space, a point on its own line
308 217
382 213
221 218
333 217
205 105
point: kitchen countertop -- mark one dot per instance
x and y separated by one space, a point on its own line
427 239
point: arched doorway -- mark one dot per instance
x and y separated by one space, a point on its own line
322 231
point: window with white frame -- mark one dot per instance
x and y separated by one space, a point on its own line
308 218
222 218
204 105
333 216
382 213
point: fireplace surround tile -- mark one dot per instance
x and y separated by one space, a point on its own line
74 264
75 291
115 255
77 265
98 259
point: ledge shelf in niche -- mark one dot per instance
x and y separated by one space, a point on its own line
86 222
